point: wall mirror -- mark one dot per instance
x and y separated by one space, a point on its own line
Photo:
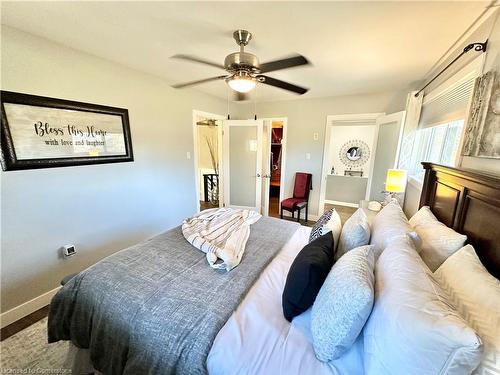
354 153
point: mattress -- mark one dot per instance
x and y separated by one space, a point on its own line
257 339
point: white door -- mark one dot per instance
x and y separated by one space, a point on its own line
266 165
390 130
242 160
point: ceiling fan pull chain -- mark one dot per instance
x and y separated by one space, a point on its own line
228 115
255 103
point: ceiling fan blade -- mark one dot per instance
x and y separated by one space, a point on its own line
198 60
283 85
181 85
240 96
289 62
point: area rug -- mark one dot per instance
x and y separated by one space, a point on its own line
27 352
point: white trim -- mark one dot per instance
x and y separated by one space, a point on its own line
196 114
266 160
338 203
346 118
19 312
372 162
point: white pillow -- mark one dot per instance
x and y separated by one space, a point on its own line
355 233
413 327
389 225
343 304
335 226
438 241
476 294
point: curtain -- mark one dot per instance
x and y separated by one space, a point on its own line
413 109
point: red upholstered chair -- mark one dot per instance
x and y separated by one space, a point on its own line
300 200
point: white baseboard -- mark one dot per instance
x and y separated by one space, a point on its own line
346 204
26 308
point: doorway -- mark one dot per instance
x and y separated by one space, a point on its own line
207 135
254 163
354 168
274 169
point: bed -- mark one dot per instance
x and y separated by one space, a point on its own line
255 338
468 202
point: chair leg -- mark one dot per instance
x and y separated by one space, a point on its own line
293 214
281 213
307 206
298 216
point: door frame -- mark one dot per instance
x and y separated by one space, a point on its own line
284 120
399 116
258 167
394 117
197 113
346 118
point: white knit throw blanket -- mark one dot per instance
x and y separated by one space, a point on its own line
221 233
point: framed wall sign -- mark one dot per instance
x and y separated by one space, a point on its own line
41 132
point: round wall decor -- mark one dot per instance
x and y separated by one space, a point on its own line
354 153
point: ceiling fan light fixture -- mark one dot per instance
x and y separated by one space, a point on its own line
242 83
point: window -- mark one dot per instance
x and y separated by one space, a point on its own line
437 144
441 121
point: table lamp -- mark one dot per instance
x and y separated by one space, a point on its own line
395 183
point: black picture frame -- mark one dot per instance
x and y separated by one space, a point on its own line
8 157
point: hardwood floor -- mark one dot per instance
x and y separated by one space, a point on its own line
206 205
23 323
343 211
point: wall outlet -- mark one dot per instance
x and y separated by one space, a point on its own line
308 156
188 155
316 136
69 250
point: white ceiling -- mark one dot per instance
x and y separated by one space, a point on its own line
355 47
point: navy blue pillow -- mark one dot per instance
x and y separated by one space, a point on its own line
306 276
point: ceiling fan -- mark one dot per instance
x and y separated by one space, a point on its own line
244 70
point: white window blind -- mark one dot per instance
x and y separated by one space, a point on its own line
451 105
450 101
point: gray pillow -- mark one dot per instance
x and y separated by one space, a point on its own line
343 304
355 233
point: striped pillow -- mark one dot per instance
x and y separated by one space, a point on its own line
329 221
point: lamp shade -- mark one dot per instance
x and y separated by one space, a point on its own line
395 181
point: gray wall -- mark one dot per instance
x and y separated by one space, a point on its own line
308 116
345 188
101 208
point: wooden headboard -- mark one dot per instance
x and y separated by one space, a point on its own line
468 202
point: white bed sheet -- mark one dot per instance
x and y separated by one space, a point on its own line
257 339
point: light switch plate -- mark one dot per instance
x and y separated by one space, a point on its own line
188 155
308 156
316 136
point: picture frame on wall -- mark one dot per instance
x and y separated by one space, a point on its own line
43 132
482 131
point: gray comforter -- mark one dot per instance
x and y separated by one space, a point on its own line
155 308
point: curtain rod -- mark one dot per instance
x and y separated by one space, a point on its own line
479 47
